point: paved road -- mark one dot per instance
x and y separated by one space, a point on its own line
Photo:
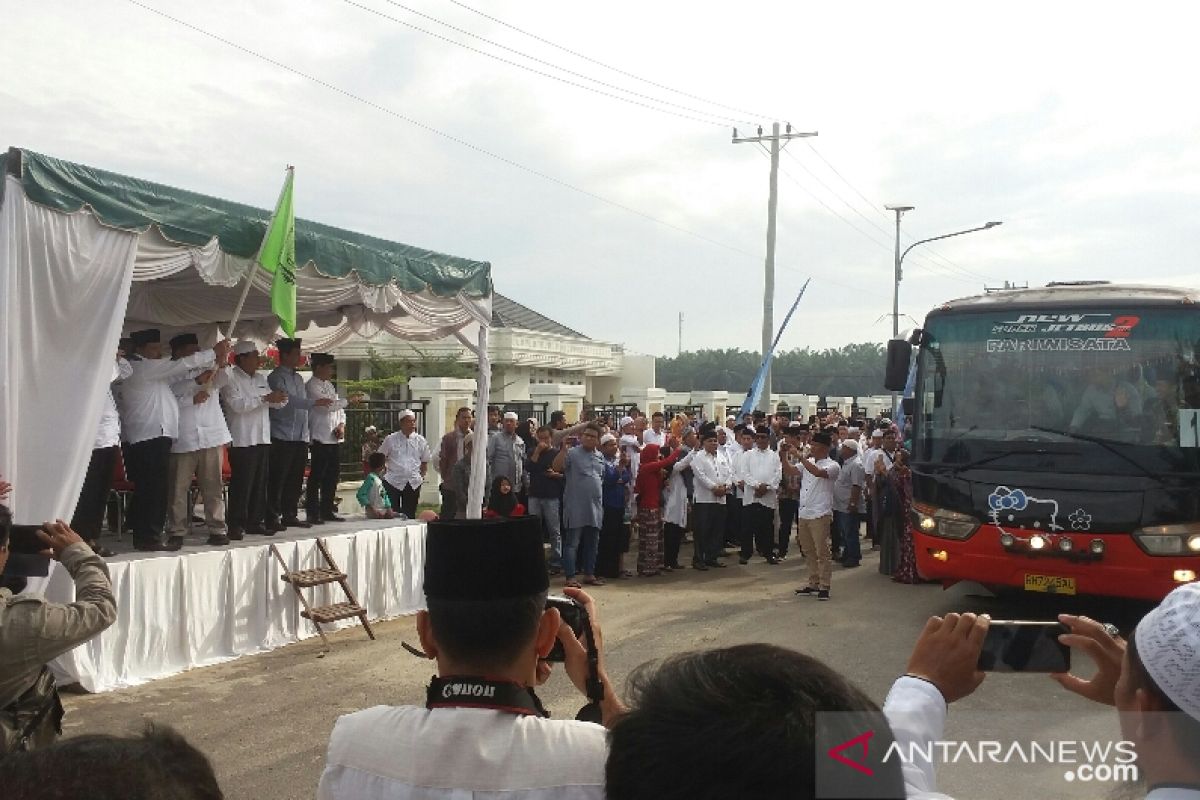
265 720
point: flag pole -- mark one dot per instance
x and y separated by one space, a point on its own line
237 312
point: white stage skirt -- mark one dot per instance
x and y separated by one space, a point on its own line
176 611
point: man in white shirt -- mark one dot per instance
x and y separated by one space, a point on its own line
758 476
93 497
735 449
248 400
482 732
408 456
198 449
506 453
656 433
712 481
149 421
327 428
816 514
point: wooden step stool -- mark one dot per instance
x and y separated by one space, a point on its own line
324 615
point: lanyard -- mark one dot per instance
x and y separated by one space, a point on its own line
461 691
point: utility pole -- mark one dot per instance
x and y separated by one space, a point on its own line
896 284
777 141
679 352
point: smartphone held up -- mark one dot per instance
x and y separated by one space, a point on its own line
1025 646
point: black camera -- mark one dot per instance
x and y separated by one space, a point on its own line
26 550
574 614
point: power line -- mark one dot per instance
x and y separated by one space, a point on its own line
429 128
537 60
528 68
932 254
921 262
617 70
882 244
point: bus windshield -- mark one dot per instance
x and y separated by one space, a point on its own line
1087 390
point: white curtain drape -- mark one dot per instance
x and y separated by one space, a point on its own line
64 281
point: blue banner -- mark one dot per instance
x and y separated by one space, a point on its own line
756 387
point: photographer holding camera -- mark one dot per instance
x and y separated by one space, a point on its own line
34 632
483 728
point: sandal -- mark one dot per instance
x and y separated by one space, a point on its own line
594 581
573 584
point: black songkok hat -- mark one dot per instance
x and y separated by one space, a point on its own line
320 359
184 339
148 336
485 559
287 345
822 438
762 430
708 433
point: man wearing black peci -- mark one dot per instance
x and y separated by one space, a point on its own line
289 439
482 730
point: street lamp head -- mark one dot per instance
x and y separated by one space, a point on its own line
992 224
900 208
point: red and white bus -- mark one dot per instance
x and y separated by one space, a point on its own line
1055 438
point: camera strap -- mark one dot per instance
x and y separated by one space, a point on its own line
467 691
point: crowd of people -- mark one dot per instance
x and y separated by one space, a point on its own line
171 416
743 488
752 720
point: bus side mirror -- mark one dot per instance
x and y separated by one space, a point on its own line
908 405
899 354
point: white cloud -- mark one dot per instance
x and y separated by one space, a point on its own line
1070 123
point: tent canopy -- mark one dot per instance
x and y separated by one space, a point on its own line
85 253
194 251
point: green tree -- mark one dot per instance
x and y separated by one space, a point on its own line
854 369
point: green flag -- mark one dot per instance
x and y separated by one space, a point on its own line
278 256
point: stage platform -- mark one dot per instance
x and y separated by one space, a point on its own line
205 605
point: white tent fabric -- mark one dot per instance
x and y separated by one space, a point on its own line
68 284
64 279
206 607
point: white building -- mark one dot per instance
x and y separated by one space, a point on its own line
533 358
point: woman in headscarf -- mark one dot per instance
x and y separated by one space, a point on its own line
502 502
906 556
649 489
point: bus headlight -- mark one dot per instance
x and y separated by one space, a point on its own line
1169 540
943 523
1097 547
1065 544
1037 542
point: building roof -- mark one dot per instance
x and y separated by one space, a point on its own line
508 313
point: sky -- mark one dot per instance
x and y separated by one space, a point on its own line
1075 124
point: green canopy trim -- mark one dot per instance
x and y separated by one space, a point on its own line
194 219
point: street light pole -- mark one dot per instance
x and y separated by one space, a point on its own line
899 270
896 283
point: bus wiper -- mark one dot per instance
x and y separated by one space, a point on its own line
1107 445
957 468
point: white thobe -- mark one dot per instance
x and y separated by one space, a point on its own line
676 505
323 420
108 432
148 407
412 753
247 413
201 425
757 468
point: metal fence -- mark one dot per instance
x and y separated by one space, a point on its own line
614 411
524 411
695 411
384 415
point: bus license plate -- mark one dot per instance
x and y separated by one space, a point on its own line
1049 583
